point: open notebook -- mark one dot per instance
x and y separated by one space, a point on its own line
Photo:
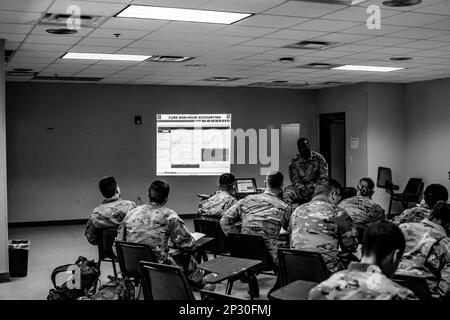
197 235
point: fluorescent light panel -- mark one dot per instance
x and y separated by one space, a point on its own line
178 14
367 68
104 56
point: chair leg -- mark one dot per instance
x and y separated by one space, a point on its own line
114 268
389 210
229 286
136 297
253 285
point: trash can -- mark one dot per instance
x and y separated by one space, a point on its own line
18 257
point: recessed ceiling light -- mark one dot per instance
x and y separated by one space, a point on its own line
287 59
400 58
367 68
170 58
312 45
104 56
195 66
61 31
221 79
401 3
319 65
178 14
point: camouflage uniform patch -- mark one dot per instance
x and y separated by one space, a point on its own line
362 210
360 282
107 215
216 205
260 214
427 255
415 214
322 227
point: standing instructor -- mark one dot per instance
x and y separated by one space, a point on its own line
306 170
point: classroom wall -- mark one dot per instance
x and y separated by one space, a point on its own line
386 136
428 131
351 100
53 173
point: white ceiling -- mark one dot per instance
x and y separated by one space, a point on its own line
248 49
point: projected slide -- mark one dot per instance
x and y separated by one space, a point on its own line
193 144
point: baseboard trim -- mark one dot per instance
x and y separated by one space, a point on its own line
47 223
4 277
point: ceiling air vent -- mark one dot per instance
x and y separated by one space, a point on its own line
222 79
319 65
312 45
60 78
169 58
277 84
58 19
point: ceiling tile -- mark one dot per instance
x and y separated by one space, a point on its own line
305 9
357 14
51 39
19 17
266 42
41 30
247 6
25 5
412 19
15 28
13 37
295 34
440 8
123 34
87 8
270 21
384 30
441 25
173 3
324 25
133 24
91 41
385 41
247 31
423 44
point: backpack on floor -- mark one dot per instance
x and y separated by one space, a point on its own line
116 289
89 274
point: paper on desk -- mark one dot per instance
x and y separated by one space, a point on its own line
197 235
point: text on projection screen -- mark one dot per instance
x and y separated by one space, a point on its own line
193 144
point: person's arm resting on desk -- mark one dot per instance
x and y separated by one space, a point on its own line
179 234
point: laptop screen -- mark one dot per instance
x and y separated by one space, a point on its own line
246 186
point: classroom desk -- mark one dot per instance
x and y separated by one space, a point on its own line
225 267
297 290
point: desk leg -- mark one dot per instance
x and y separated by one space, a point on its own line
252 285
229 286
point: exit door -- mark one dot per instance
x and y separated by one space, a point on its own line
332 144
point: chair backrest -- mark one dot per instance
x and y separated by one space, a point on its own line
212 228
348 192
417 285
301 265
249 246
209 295
164 282
105 242
384 178
130 254
413 187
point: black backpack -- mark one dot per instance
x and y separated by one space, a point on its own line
89 274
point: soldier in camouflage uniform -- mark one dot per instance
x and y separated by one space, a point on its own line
427 252
322 227
369 280
361 208
306 171
110 213
260 214
432 194
221 201
160 228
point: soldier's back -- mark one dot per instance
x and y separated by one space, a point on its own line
362 210
216 205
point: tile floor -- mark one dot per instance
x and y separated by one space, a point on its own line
59 245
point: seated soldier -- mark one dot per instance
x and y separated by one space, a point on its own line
382 250
427 251
221 201
158 227
110 213
361 208
261 214
432 194
322 227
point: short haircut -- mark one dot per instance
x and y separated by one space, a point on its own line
434 193
302 141
108 186
326 186
441 211
158 191
275 180
226 180
381 238
366 186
